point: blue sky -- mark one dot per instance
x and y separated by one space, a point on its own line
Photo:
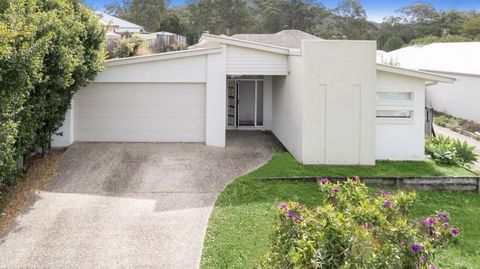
376 9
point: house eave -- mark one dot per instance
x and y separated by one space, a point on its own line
427 76
161 56
450 72
243 43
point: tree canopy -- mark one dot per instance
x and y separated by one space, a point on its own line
49 49
148 13
348 20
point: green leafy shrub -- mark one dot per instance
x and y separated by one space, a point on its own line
49 49
444 121
443 39
465 153
352 229
126 46
448 151
441 149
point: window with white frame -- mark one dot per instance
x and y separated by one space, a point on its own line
396 97
395 105
394 114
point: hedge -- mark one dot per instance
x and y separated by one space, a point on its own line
49 49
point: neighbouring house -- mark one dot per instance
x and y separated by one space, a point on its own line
157 42
460 60
327 101
117 25
164 41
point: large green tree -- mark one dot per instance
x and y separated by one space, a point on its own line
348 21
173 24
276 15
421 23
49 49
148 13
393 43
221 17
471 26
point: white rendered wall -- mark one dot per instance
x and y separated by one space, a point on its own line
188 69
460 99
338 102
216 98
66 138
401 139
245 61
287 107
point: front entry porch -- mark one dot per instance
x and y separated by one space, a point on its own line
249 102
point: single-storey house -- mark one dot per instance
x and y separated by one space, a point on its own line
117 25
460 60
327 101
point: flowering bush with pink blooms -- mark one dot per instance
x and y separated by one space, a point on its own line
352 229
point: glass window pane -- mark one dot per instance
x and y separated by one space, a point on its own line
231 106
259 103
246 103
394 96
395 114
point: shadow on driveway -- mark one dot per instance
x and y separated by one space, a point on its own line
130 204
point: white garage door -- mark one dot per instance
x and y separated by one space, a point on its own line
140 112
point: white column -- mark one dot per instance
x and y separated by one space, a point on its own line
66 139
267 103
216 98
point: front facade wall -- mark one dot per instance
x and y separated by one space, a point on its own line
401 139
287 107
216 97
187 70
460 99
245 61
338 102
165 100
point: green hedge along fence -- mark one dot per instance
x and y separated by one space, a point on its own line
49 49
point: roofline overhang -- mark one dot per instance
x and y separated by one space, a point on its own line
162 56
449 72
427 76
244 43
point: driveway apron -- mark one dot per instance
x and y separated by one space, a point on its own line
129 205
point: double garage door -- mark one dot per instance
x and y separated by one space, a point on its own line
140 112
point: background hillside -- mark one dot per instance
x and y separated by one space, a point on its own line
418 23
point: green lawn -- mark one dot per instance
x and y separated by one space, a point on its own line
241 224
283 165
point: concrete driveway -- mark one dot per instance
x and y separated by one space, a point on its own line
129 205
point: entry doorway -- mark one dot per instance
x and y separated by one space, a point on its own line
245 103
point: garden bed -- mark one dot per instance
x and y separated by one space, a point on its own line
465 127
418 183
240 227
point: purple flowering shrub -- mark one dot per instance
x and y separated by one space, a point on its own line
352 229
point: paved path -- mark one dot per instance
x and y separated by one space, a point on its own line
447 132
129 205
